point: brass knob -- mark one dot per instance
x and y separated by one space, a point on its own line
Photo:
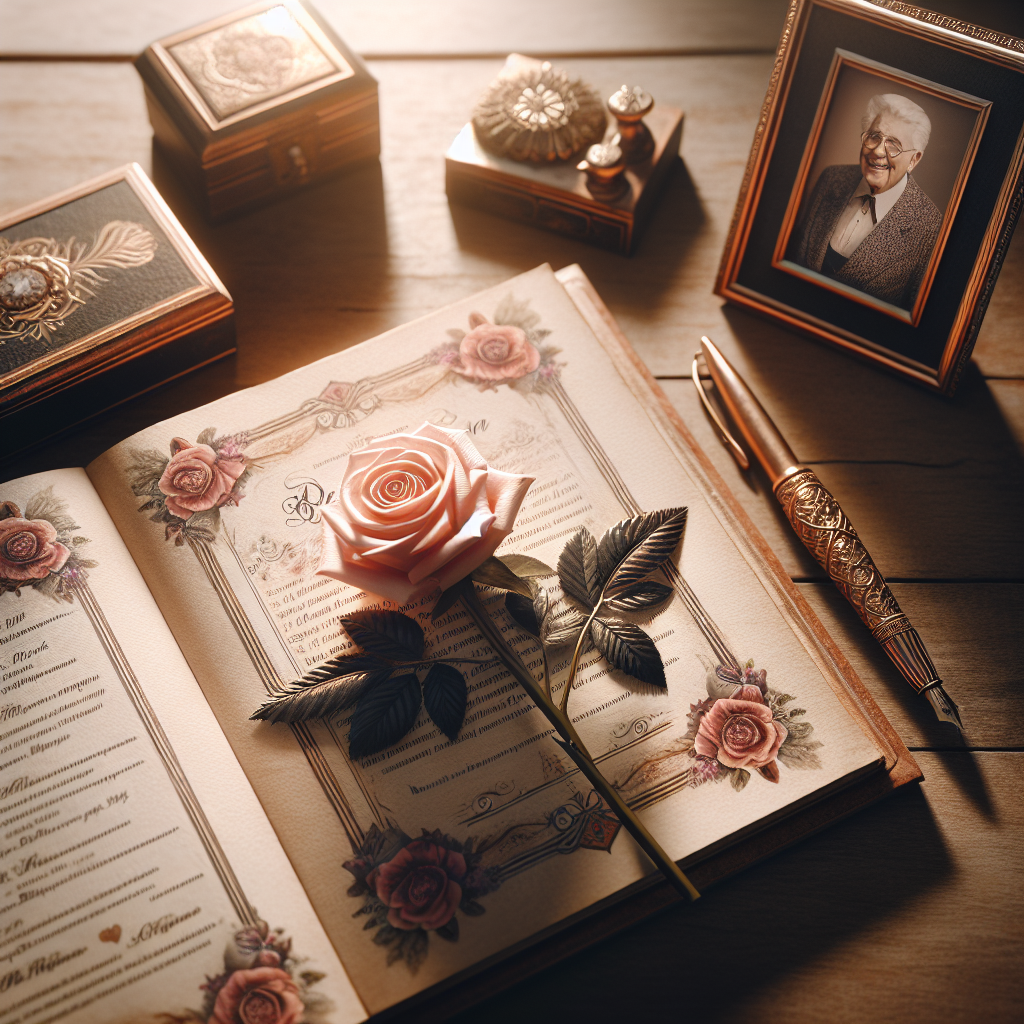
605 167
629 106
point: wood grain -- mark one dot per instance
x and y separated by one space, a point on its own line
415 27
972 631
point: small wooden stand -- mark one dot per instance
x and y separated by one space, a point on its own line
556 197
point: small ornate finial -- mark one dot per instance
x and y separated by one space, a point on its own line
629 106
536 112
605 165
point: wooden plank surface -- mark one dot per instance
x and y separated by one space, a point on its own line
910 912
417 28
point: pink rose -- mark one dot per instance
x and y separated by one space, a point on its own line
490 352
740 734
263 995
746 691
420 885
417 511
197 478
29 549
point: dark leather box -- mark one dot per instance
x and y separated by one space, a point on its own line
258 103
102 296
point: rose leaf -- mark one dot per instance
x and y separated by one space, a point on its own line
628 648
577 568
634 548
445 601
444 696
494 573
562 628
523 612
739 777
340 666
389 634
384 714
449 931
471 908
526 566
305 700
639 596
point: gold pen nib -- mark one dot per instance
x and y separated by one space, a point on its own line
945 707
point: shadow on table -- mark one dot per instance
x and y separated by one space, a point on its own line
703 961
934 485
308 271
678 219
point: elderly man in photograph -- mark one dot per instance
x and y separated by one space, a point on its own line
871 226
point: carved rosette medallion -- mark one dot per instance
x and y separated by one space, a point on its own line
539 114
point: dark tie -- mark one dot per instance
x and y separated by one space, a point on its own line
869 203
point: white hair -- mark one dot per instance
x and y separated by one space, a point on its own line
900 108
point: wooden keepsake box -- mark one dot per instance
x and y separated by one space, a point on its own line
258 103
102 296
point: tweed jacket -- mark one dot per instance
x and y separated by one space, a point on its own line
890 263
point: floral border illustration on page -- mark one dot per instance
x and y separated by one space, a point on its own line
742 726
261 984
41 548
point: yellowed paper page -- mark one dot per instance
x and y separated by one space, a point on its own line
138 873
525 835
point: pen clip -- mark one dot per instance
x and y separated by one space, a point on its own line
724 436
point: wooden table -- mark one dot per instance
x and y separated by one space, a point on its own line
911 911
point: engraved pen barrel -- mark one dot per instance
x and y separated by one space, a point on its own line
827 533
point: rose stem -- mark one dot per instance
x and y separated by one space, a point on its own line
572 744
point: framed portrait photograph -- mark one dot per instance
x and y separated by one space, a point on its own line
883 184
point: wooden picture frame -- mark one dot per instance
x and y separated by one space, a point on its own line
902 278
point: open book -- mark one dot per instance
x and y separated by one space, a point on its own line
164 857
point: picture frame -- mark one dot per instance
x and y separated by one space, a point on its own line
883 184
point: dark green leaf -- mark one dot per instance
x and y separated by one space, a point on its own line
634 548
389 634
739 778
341 666
206 436
639 596
445 601
577 568
384 714
523 612
449 931
494 573
526 567
562 635
629 648
302 701
444 696
471 908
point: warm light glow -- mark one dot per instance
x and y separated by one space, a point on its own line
278 21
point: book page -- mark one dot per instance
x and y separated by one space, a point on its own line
237 583
139 878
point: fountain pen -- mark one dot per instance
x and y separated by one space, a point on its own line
822 526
